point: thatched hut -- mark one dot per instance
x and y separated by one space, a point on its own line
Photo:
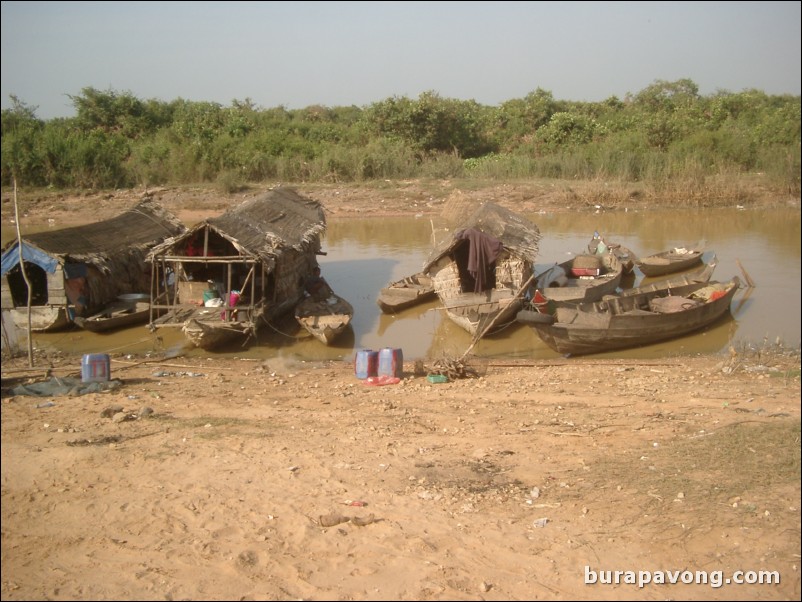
254 256
479 272
77 271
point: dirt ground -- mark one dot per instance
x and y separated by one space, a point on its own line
210 479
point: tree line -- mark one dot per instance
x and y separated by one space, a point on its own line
665 135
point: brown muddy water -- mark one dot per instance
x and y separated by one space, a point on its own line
366 254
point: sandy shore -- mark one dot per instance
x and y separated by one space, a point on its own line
239 480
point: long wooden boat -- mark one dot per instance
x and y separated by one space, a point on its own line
577 281
406 292
703 274
669 262
120 314
324 319
632 321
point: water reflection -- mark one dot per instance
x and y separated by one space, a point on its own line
364 255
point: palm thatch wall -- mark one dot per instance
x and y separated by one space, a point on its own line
514 265
109 254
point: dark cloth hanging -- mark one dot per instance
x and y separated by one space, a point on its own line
483 251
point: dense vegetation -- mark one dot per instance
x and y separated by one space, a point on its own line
665 136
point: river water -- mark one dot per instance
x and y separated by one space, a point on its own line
366 254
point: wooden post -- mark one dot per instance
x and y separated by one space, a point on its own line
749 280
24 275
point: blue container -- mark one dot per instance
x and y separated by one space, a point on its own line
366 362
95 367
391 362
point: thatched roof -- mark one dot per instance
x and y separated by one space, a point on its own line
263 226
135 230
518 235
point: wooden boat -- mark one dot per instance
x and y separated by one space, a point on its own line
482 270
669 262
541 304
599 246
703 274
324 319
632 321
44 318
128 310
406 292
581 279
209 332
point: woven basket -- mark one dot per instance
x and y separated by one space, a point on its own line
586 262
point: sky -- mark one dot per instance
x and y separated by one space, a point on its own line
297 54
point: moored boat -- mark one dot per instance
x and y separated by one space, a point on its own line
325 319
406 292
77 271
703 274
623 322
669 262
128 310
44 318
481 271
213 333
599 246
582 279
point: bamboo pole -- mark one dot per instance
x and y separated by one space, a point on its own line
495 318
24 274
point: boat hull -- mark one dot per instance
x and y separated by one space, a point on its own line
115 317
668 262
406 293
474 312
43 318
324 319
214 334
625 322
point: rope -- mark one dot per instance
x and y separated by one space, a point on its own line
289 336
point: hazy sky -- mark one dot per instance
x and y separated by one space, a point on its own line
296 54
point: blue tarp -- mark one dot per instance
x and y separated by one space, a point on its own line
29 253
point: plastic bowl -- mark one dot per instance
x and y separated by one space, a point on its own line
133 297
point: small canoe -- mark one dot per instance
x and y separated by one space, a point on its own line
405 293
120 314
702 274
324 319
669 262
